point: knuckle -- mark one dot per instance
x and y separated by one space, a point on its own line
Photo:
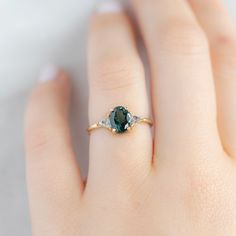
182 37
225 42
225 56
40 137
117 73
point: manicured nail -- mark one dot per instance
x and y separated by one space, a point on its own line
109 7
50 72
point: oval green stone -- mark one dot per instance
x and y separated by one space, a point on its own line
120 119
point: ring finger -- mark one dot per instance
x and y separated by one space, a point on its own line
183 88
116 77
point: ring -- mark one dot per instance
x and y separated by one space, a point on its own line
120 120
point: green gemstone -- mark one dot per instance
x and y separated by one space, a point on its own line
120 119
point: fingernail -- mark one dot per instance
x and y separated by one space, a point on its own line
109 7
50 72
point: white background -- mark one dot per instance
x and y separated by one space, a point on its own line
32 34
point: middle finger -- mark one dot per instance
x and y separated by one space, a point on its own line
183 88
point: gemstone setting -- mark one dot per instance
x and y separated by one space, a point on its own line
120 119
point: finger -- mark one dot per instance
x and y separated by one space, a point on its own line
116 77
222 36
54 182
183 88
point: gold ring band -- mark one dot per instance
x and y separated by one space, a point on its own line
120 120
98 126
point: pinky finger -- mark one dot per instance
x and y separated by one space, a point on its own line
54 182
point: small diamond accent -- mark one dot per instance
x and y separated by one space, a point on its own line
134 119
105 123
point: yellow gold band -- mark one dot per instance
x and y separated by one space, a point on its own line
98 125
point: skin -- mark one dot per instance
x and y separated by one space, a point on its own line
179 181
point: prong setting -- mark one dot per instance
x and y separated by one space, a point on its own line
113 131
129 128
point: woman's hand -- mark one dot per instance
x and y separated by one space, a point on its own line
184 184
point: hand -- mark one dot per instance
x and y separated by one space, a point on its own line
184 184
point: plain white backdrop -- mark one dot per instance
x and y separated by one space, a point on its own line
35 33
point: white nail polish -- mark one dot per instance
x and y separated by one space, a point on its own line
111 6
48 73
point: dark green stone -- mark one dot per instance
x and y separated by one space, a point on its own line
120 119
